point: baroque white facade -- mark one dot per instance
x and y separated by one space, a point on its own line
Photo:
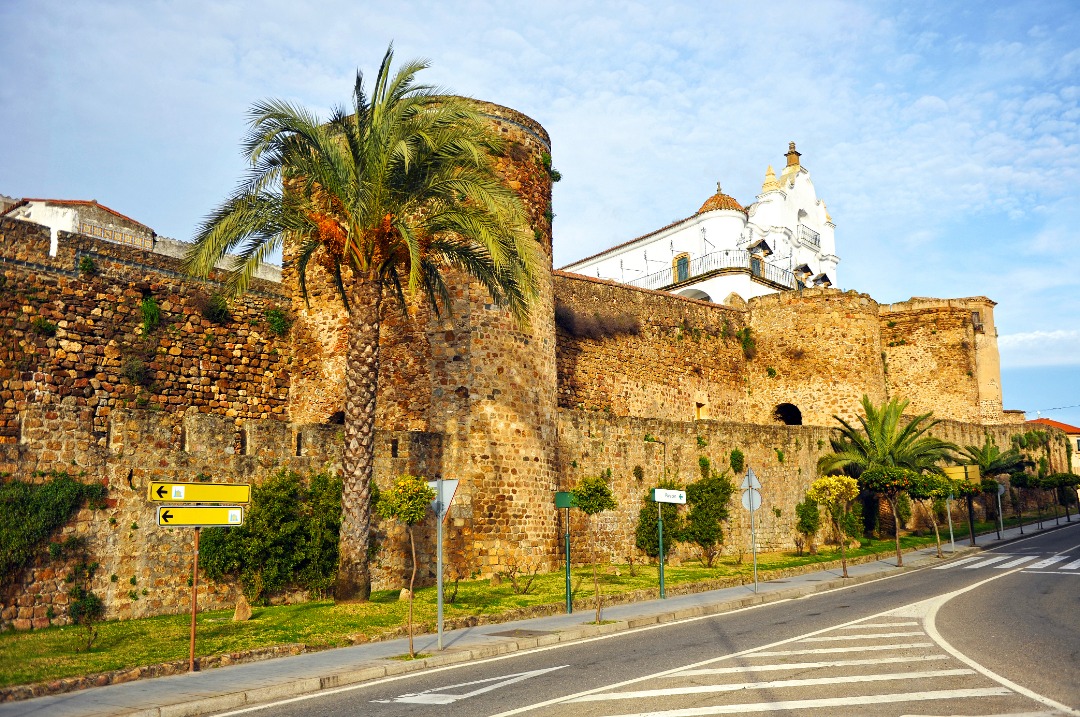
784 240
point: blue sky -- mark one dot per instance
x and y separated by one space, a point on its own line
943 136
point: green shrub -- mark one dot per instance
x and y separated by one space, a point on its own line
278 321
807 522
151 314
214 308
708 508
135 370
87 265
646 536
43 326
289 539
737 461
31 513
746 340
903 508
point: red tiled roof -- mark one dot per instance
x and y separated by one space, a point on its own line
720 201
1056 424
79 203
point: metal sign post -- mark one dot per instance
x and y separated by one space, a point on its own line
751 500
565 499
659 496
441 508
948 514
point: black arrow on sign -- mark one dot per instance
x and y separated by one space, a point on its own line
166 516
161 492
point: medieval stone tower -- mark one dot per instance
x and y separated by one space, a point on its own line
469 386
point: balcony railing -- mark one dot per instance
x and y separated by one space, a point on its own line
718 260
809 236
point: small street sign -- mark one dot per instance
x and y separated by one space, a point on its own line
751 480
964 473
751 499
449 488
201 516
666 495
199 493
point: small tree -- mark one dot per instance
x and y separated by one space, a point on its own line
407 500
593 496
646 536
708 499
807 522
931 488
836 494
889 482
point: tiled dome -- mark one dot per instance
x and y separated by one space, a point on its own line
720 201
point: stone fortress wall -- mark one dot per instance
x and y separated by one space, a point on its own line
515 413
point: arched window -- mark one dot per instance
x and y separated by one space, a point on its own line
788 414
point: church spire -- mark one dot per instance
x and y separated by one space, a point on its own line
770 182
792 155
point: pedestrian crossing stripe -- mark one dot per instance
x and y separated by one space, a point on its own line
1010 561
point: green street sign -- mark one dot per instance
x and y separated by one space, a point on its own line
201 516
565 499
199 493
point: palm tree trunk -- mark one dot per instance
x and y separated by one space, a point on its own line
896 530
412 581
357 460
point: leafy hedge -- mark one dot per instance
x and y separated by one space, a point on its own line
31 512
289 539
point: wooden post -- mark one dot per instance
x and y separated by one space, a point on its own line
194 602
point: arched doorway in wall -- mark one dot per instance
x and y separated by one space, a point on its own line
788 414
695 294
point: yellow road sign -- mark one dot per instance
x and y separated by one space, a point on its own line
171 516
964 473
199 493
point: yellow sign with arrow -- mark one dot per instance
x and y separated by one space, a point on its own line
199 493
200 516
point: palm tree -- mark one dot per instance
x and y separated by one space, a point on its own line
992 462
386 199
883 443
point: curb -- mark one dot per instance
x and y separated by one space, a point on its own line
296 688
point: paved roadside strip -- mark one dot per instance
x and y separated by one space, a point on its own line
242 685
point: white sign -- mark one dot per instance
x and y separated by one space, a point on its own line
665 495
751 480
751 500
449 488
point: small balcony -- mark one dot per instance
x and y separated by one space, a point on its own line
809 237
724 261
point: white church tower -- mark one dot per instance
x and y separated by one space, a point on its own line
783 241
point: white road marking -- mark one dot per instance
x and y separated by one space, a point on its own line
1071 566
807 665
430 697
988 561
1003 714
1047 562
865 625
869 636
935 604
848 701
772 685
1014 563
834 650
957 563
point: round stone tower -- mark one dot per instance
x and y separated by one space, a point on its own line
470 382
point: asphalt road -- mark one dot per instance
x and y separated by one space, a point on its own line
996 634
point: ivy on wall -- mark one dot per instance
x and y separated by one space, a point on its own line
31 512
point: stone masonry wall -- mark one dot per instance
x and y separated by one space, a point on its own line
99 356
784 458
141 446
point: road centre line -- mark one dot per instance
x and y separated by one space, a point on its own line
807 665
868 636
910 623
772 685
834 650
849 701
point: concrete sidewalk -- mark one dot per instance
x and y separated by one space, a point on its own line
251 683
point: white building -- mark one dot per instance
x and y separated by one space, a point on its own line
784 240
79 216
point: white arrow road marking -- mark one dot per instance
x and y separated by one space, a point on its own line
445 697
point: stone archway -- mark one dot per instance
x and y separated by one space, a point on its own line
788 414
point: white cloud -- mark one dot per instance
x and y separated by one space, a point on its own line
1060 347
